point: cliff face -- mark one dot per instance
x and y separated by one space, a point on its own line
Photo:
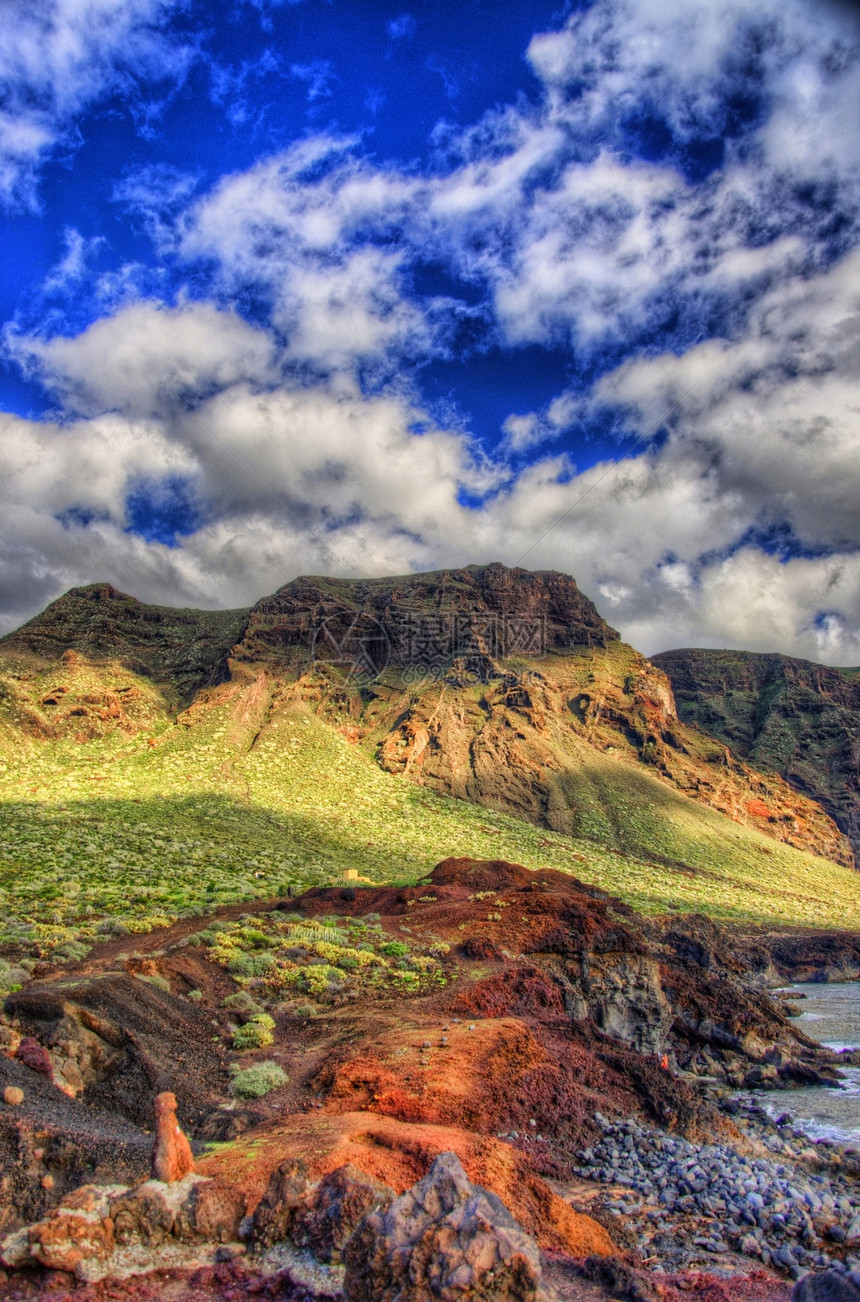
784 716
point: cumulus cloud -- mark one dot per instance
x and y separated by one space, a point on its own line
57 57
283 476
309 244
127 361
670 197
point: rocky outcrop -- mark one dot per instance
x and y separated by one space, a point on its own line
171 1154
559 1024
782 715
476 615
444 1238
94 1052
101 1231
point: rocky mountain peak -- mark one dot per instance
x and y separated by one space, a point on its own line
489 611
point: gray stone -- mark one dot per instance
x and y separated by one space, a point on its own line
444 1238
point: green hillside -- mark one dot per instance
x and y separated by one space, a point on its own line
240 801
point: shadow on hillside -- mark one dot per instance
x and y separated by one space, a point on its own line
312 848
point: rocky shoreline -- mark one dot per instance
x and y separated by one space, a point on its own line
773 1197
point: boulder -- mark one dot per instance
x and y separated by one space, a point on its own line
35 1056
444 1238
183 1211
70 1237
217 1211
327 1216
829 1286
273 1217
139 1225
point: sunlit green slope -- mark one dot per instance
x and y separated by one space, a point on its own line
241 798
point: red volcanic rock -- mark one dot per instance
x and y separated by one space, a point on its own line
34 1056
171 1154
66 1240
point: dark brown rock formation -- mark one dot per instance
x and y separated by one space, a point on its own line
184 649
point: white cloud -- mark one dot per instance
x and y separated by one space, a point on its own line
125 362
574 243
654 539
57 57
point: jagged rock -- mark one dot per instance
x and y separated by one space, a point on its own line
327 1216
273 1217
444 1238
217 1211
829 1286
149 1213
188 1209
171 1154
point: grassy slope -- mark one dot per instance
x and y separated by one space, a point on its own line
220 810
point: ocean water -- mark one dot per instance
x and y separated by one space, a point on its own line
831 1015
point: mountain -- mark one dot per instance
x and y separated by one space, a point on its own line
184 648
156 763
786 716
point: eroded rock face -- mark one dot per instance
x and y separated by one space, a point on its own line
444 1238
624 997
476 614
101 1231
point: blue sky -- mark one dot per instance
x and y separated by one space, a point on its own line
331 285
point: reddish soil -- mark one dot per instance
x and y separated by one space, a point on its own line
505 1066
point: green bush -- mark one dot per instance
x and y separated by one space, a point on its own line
195 996
160 982
242 1003
394 948
258 1079
251 965
251 1036
72 949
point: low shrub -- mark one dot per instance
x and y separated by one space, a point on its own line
258 1079
75 950
251 965
255 1034
242 1003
